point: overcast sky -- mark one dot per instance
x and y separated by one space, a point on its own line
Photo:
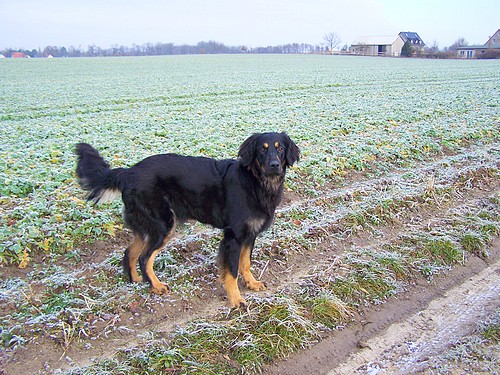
32 24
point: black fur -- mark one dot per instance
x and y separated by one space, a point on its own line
239 196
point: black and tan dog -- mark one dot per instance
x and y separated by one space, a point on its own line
238 196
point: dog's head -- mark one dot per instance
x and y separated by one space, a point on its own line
268 154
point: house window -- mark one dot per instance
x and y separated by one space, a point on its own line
462 53
469 54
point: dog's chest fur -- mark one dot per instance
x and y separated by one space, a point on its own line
256 225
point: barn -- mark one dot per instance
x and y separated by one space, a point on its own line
390 45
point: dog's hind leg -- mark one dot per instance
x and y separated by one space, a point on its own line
130 259
157 287
146 260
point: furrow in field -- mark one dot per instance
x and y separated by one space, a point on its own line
181 103
425 181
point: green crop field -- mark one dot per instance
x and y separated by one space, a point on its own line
355 119
346 113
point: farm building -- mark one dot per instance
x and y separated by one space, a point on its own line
490 49
385 45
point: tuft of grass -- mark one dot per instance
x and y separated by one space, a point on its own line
492 333
10 340
329 310
473 243
278 330
490 329
363 287
489 230
396 262
444 250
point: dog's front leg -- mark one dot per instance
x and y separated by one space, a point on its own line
244 267
229 256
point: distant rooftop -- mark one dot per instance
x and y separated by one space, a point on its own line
411 36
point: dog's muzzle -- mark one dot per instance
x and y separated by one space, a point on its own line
274 168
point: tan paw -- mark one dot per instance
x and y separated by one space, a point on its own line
137 279
159 289
238 303
256 285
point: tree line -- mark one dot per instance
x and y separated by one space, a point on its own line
331 42
158 49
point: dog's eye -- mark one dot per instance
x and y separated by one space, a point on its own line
280 149
262 150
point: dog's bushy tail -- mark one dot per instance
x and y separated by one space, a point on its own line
96 176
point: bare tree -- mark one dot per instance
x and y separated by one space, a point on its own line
434 47
460 42
332 39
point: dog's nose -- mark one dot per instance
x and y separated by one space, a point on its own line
274 165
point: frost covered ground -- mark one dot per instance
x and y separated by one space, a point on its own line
397 185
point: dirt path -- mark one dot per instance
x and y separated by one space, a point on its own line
407 333
405 347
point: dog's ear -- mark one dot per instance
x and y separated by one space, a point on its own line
247 150
292 150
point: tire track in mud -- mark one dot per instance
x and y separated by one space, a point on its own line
408 331
406 347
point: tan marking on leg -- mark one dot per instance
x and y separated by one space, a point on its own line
136 249
230 284
157 287
244 268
